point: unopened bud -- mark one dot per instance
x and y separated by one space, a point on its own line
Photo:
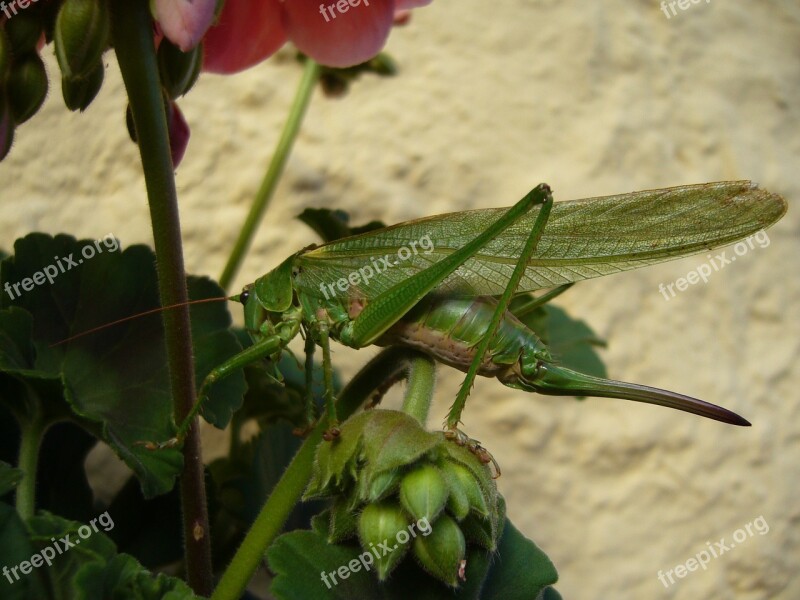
27 87
24 31
79 92
81 35
440 553
178 70
423 492
378 527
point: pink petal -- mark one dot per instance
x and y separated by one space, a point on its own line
339 33
248 31
184 22
178 134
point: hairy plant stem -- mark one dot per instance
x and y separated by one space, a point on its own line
133 43
274 172
419 393
31 433
287 492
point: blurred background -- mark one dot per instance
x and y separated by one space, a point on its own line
491 99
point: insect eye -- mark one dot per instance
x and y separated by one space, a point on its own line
244 296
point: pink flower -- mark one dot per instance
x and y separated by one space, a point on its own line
184 22
336 33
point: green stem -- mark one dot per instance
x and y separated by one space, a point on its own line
419 393
287 492
133 43
31 433
271 177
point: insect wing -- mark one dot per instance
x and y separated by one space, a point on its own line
583 239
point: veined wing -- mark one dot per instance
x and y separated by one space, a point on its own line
582 239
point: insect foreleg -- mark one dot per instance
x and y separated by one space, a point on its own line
454 417
260 349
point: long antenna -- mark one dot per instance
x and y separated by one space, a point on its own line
137 315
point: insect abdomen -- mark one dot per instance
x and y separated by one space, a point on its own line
449 329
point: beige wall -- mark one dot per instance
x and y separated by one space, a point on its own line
594 98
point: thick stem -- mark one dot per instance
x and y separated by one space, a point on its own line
288 490
133 43
419 393
273 174
31 433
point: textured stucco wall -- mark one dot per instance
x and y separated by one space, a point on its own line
594 98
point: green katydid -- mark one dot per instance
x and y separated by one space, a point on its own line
452 302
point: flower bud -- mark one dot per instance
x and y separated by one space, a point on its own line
378 527
458 503
27 87
461 477
383 64
79 92
382 485
178 70
441 552
24 31
6 125
81 35
423 492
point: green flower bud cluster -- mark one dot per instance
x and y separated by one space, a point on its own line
396 486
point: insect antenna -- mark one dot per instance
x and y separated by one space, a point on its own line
138 315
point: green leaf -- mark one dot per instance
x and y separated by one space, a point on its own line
331 225
16 547
123 578
520 571
302 562
115 381
75 561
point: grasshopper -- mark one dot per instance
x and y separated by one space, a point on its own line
452 302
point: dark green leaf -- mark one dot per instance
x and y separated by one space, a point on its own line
123 578
16 547
520 571
115 380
